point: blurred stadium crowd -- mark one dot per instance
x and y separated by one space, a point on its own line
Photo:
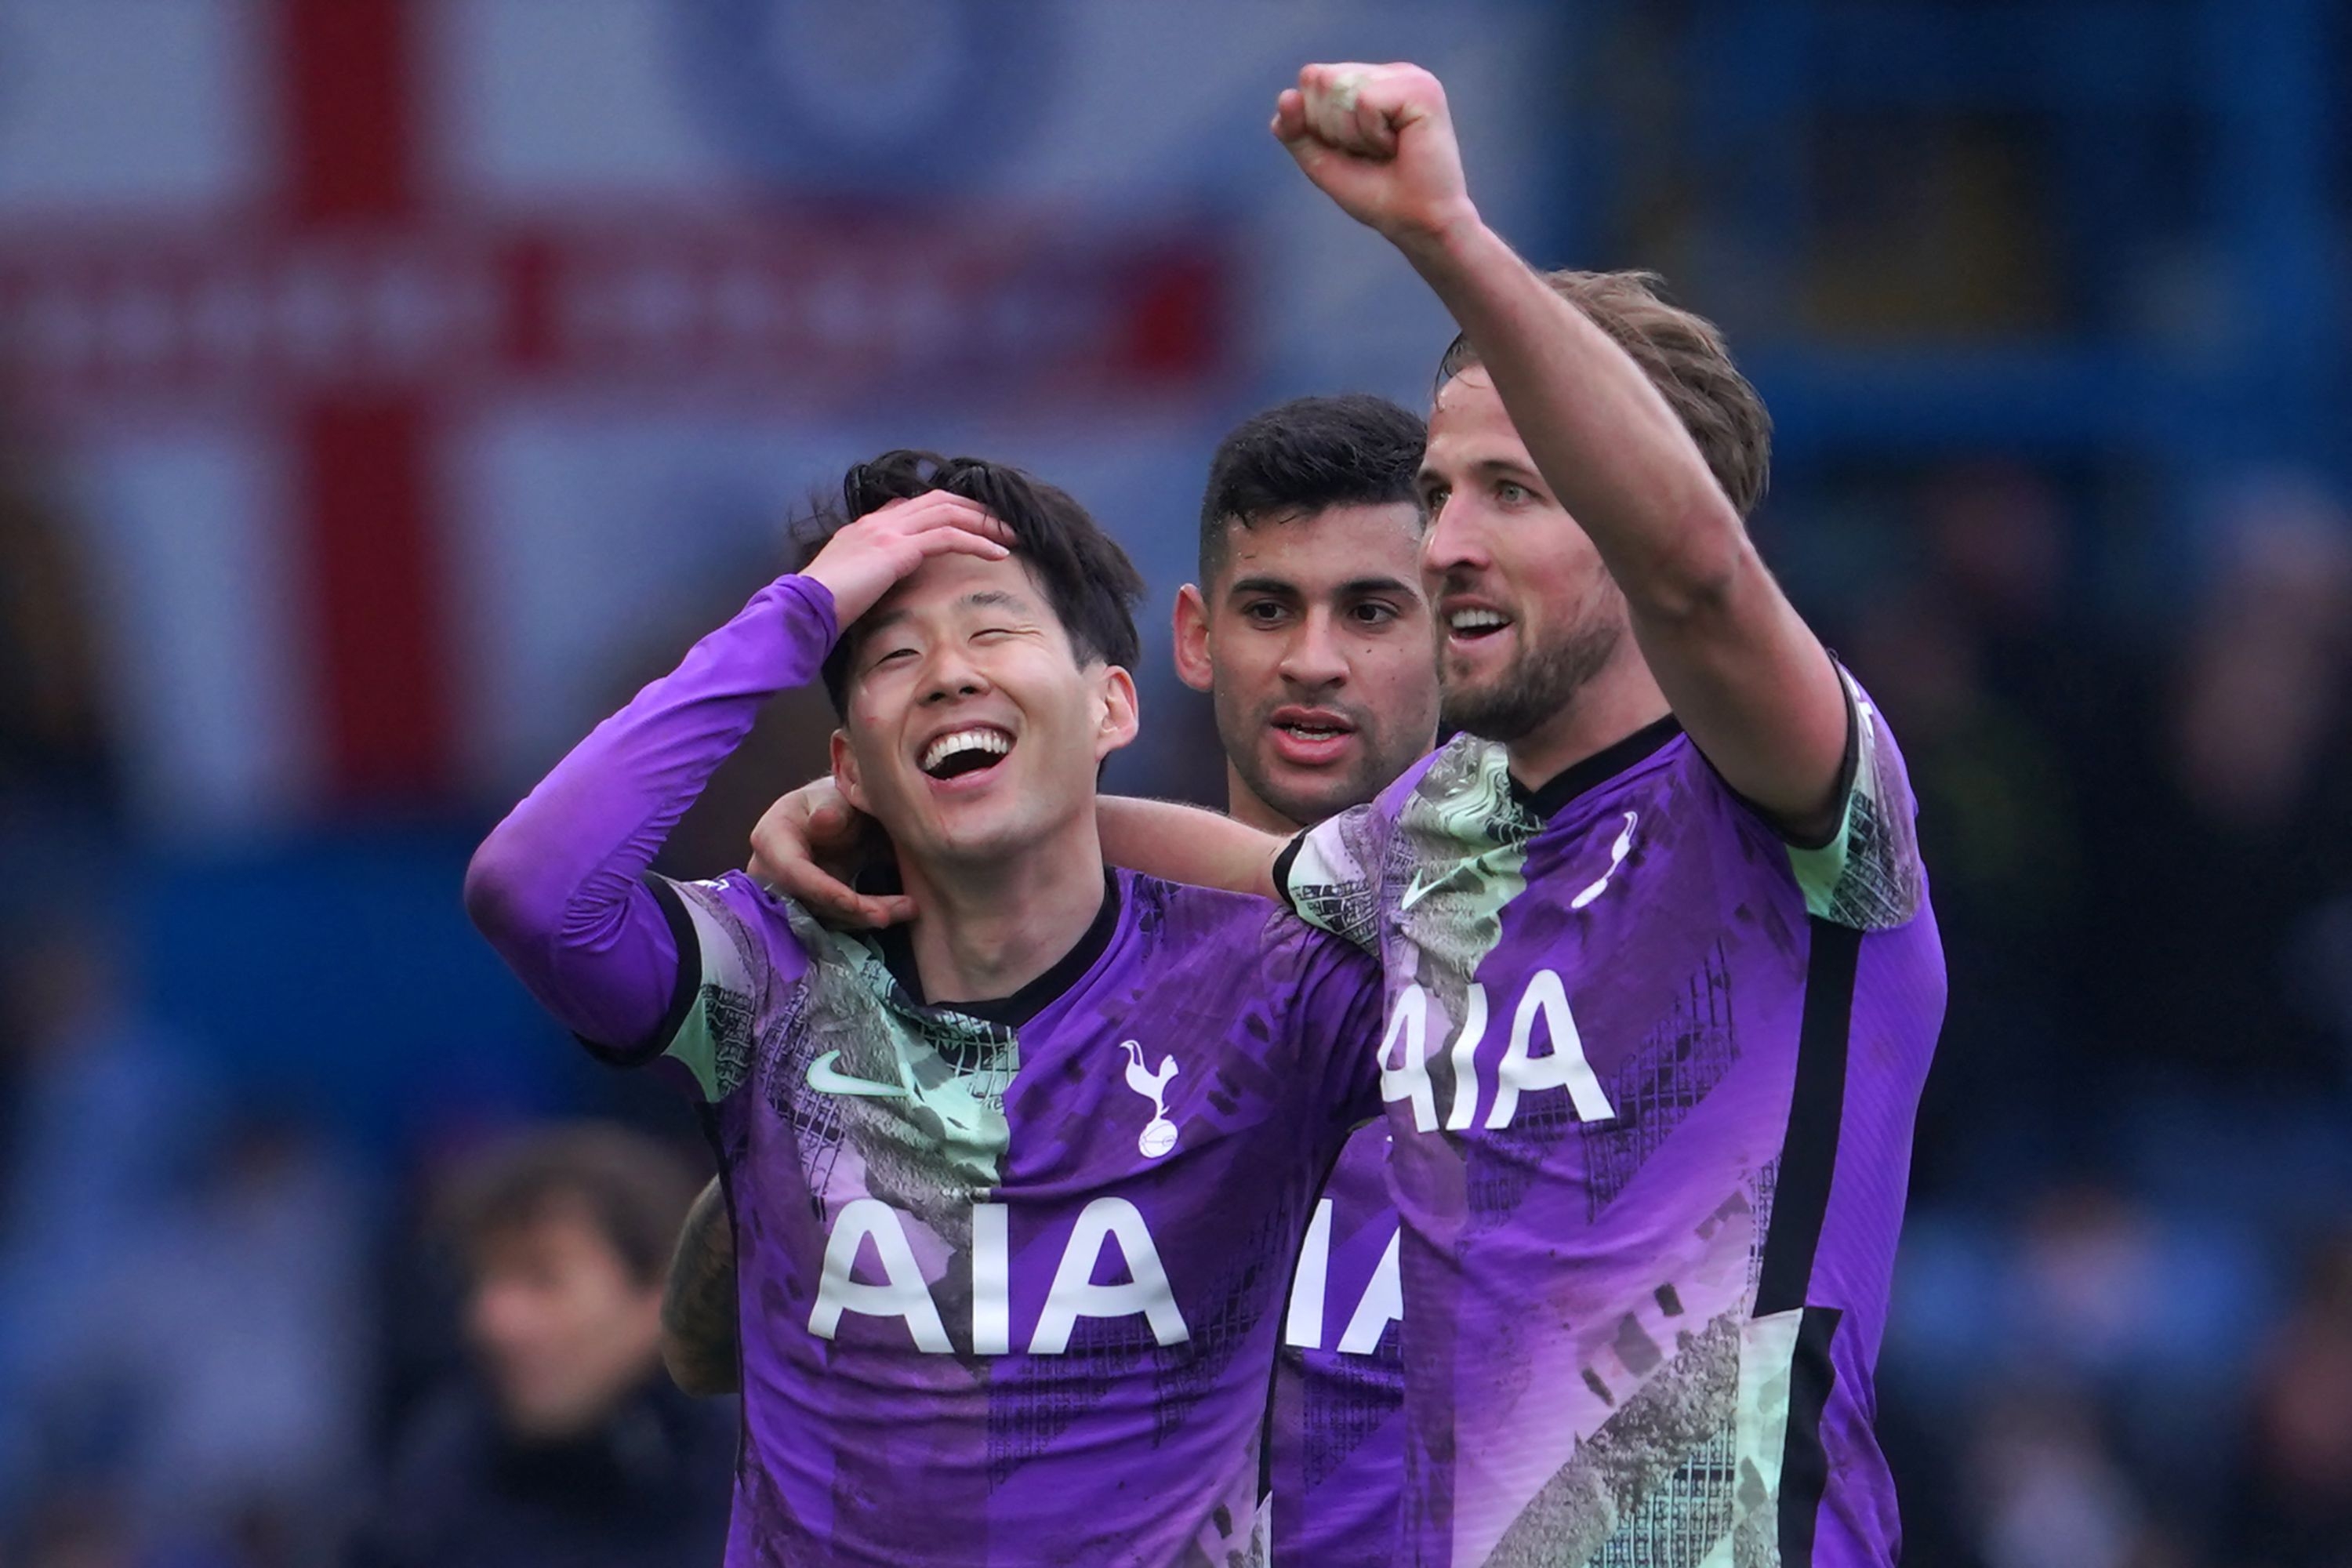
239 1331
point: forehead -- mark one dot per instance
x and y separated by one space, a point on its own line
1323 550
1468 424
945 584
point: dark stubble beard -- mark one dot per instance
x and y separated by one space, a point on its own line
1244 735
1541 679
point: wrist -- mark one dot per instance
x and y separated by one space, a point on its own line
1442 240
815 600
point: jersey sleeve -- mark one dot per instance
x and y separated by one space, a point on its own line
1867 875
1331 875
1337 1025
557 887
738 968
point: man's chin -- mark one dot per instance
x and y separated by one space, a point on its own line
1307 795
1490 710
979 834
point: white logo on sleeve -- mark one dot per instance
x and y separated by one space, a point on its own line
1159 1133
1617 853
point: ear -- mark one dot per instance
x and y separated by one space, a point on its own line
1194 666
1119 715
844 770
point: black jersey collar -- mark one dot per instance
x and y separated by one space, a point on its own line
1011 1012
1546 799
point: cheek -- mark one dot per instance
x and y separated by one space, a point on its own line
1551 580
1405 671
1253 664
867 750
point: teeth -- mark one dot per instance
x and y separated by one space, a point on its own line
1471 620
992 741
1313 731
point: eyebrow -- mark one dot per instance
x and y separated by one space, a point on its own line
1353 585
1485 468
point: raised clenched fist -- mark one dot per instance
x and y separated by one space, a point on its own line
1378 140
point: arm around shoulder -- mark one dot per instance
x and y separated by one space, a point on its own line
1185 843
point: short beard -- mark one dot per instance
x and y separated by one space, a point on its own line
1540 682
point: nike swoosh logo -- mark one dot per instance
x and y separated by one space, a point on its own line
1617 853
1417 891
825 1080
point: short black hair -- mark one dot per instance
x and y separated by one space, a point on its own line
1303 457
1088 578
633 1188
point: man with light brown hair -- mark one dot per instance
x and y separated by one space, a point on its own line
1662 980
1684 357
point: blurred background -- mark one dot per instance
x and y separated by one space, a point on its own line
388 386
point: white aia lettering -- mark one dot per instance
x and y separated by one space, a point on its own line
905 1295
1075 1296
1404 1073
901 1294
1409 1079
1382 1303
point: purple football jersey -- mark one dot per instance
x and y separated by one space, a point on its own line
1011 1294
1338 1433
1651 1072
1009 1274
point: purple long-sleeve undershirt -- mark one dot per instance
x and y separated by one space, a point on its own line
557 887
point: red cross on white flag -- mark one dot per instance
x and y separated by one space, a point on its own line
252 303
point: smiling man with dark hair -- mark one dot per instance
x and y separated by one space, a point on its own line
1309 632
1016 1186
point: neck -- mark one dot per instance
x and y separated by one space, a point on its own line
1619 701
982 930
1243 805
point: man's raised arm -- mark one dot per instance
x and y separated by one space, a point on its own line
557 885
1747 678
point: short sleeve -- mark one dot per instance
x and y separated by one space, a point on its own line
1867 875
1331 873
736 956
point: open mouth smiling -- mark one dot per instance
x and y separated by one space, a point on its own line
1473 623
975 748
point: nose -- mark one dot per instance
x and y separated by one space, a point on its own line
1454 540
1314 656
951 674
